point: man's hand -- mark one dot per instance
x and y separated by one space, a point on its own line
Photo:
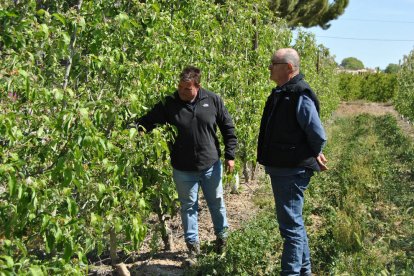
229 165
322 162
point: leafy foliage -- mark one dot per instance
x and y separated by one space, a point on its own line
370 196
250 251
392 68
352 63
405 99
309 13
376 87
73 72
358 214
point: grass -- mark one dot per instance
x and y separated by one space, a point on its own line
359 214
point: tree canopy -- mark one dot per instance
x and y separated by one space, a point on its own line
352 63
392 68
309 13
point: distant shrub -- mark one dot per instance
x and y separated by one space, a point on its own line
376 87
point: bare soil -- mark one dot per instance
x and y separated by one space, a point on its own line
240 208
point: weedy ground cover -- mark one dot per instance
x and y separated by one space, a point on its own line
359 214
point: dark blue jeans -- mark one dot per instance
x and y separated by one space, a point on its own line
288 193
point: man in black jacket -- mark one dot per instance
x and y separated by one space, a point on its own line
195 154
290 146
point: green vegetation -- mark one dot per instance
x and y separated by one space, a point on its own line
309 13
376 87
359 213
404 102
73 182
392 68
396 86
352 63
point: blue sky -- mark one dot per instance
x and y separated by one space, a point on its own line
375 31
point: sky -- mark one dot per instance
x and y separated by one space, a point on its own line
377 32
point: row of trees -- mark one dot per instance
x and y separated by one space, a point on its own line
394 85
376 87
352 63
73 181
404 101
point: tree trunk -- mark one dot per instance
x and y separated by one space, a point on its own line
246 172
112 247
120 267
256 32
166 234
70 57
254 171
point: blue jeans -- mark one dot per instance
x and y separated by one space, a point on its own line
288 193
187 184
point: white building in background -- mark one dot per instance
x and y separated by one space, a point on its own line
359 71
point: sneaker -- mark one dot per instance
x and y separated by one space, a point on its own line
220 245
193 252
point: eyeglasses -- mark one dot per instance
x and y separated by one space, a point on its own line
274 63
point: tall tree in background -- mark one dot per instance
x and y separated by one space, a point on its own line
309 13
352 63
392 68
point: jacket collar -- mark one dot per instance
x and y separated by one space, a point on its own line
292 81
202 94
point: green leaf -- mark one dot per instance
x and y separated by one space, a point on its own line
58 94
118 225
122 17
70 92
72 207
45 29
102 143
67 176
12 14
66 38
156 7
42 12
8 261
6 168
142 204
83 112
68 250
36 271
40 132
20 192
95 219
67 124
23 73
50 240
60 18
12 185
101 188
82 23
45 222
132 133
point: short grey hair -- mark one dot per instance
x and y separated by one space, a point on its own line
289 55
191 73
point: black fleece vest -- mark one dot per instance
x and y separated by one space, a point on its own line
285 143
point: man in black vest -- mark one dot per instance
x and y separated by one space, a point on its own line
290 147
195 154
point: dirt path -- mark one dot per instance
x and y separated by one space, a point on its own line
358 107
240 208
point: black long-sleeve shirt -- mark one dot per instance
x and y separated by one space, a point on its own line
196 146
